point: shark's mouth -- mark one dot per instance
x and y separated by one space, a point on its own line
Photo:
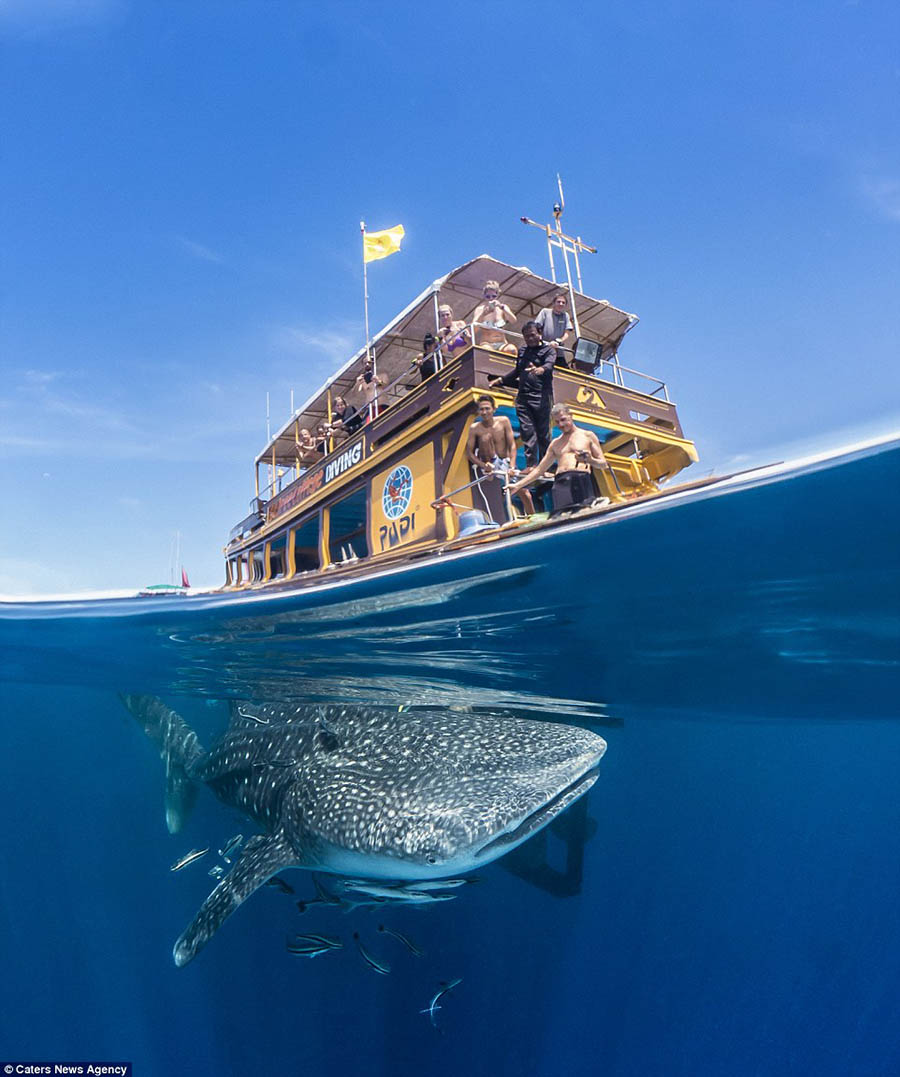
531 824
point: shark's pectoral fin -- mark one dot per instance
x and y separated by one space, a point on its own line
262 857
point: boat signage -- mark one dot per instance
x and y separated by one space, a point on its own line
400 500
344 462
314 479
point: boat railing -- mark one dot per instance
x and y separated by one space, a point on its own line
609 370
392 393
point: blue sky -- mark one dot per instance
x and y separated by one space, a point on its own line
181 185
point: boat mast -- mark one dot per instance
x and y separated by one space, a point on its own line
556 237
362 228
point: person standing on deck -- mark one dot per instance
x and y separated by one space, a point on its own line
369 384
491 445
555 325
574 452
533 375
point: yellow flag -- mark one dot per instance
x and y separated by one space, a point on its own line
380 244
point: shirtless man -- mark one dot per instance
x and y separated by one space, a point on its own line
369 384
574 452
491 445
492 315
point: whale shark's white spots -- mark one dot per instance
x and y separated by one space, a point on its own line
397 797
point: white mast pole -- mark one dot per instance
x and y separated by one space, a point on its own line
362 228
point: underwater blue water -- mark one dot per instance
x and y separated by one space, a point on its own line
738 912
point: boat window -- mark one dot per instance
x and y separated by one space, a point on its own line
258 564
242 573
306 545
232 571
278 556
347 527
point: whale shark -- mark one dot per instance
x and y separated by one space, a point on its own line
356 791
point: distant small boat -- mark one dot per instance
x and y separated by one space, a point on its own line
157 589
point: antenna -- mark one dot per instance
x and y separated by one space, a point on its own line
556 237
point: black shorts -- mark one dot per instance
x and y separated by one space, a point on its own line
573 488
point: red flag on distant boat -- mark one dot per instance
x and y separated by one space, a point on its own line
185 582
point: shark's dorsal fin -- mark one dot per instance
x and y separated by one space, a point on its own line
263 857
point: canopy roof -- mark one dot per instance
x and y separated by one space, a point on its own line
401 340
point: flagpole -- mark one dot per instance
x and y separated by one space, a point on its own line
362 228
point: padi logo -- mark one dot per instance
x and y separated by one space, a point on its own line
397 492
344 462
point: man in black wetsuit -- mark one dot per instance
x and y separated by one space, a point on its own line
533 374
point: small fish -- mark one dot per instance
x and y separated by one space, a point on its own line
376 966
329 941
395 893
428 885
411 946
217 872
252 717
302 906
322 894
284 887
229 847
188 858
308 949
432 1008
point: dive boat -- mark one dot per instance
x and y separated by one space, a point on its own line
401 489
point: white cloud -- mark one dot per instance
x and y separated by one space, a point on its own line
336 345
198 250
883 193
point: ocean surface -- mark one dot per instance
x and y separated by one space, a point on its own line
725 901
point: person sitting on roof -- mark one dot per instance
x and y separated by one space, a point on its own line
453 335
426 360
490 318
307 447
575 452
491 445
555 325
370 384
345 419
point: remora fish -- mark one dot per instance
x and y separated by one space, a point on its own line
398 894
433 1007
188 858
313 945
411 946
374 794
231 845
376 966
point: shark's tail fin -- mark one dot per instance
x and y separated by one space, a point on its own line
178 746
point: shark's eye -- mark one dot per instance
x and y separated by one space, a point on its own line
430 858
